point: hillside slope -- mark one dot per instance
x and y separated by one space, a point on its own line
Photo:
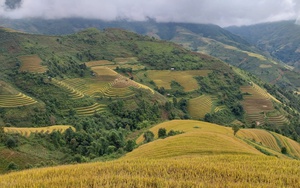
259 49
181 168
111 84
280 39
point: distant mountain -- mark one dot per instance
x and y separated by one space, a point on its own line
280 39
205 38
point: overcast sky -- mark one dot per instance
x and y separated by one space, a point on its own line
220 12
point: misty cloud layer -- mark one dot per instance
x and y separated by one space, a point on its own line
221 12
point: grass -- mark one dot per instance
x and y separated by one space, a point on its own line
208 156
98 63
184 78
28 130
32 63
12 101
125 60
7 89
200 106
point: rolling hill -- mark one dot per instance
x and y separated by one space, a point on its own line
205 155
268 51
112 84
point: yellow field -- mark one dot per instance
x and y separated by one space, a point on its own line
200 106
28 130
32 63
184 78
258 56
73 93
12 101
199 138
206 156
90 110
106 82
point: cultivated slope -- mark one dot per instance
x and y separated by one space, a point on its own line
191 159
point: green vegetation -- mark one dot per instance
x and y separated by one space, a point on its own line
112 85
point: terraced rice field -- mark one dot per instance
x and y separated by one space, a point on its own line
184 78
11 101
219 108
205 155
90 110
73 93
271 140
258 103
32 63
106 83
277 119
200 106
27 131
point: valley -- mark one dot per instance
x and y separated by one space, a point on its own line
202 107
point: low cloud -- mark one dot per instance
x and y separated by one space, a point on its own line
12 4
221 12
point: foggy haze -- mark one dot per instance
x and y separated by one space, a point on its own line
220 12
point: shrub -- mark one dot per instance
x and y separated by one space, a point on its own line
283 150
130 145
11 142
12 166
162 133
148 136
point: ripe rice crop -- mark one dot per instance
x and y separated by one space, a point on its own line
32 63
90 110
74 94
28 130
200 106
271 140
206 156
106 83
184 78
11 101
